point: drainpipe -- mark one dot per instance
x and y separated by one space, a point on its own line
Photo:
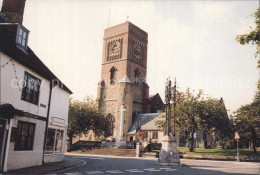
7 145
0 78
47 122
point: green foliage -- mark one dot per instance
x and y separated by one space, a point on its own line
247 120
247 117
253 37
194 112
85 116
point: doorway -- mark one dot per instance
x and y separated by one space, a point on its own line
2 138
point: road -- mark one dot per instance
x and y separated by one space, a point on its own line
122 165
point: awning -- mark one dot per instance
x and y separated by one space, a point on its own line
8 111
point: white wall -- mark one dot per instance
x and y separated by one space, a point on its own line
60 104
10 92
21 159
59 109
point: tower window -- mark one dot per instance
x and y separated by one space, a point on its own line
111 120
22 37
136 76
112 75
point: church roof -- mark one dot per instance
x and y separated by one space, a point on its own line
147 122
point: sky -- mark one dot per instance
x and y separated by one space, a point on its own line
193 41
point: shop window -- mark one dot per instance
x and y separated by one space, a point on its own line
54 141
24 136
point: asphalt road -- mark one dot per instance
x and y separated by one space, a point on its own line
123 165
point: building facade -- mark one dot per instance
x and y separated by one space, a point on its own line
33 101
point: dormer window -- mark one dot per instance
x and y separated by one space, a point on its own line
22 37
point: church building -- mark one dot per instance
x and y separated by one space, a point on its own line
123 92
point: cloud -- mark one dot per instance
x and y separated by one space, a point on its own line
211 11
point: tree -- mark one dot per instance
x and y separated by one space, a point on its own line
187 115
253 37
85 116
194 112
247 120
215 119
247 117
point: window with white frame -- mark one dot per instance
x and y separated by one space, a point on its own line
54 141
22 37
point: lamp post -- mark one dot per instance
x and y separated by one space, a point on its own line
174 91
168 96
237 137
169 155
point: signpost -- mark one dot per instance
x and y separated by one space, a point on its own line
237 137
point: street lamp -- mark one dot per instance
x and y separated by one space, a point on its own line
169 155
170 95
237 137
174 91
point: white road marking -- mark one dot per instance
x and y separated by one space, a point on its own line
136 171
165 168
152 169
115 171
171 170
70 167
72 173
149 169
94 172
97 158
132 170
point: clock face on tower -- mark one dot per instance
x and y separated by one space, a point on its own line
114 48
137 51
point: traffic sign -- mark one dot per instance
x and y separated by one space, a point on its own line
237 137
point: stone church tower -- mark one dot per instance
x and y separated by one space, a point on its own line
123 75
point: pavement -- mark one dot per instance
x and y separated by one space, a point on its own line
48 168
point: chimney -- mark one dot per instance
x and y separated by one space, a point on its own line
13 10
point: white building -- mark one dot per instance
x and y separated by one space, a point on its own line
33 101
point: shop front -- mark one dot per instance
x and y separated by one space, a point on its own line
55 140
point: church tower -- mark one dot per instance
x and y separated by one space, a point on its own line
123 76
